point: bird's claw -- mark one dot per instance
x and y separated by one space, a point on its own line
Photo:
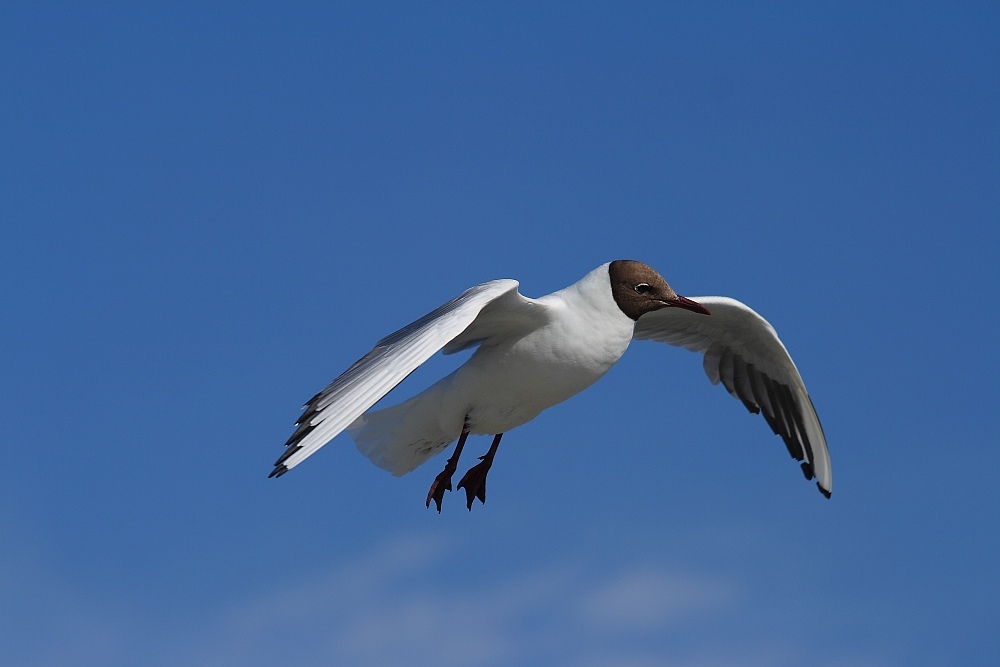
440 484
474 482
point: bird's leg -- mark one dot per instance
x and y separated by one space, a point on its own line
442 482
474 481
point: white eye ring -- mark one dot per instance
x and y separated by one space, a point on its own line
642 288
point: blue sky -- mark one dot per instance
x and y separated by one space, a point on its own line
208 212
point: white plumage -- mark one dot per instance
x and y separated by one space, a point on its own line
534 353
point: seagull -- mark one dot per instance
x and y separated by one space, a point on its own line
534 353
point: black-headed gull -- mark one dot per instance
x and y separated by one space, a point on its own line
535 353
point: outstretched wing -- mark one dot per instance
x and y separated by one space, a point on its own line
743 351
397 355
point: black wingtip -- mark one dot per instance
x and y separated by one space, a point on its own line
278 471
825 493
807 469
288 452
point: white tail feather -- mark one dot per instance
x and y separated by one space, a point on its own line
402 437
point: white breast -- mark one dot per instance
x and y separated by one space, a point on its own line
503 386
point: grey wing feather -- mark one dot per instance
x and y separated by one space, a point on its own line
743 352
374 375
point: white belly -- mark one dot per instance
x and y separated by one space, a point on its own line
500 388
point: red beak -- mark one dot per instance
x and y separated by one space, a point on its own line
687 304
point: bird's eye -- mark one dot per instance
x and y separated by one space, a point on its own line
642 288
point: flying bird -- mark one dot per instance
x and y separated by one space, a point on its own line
534 353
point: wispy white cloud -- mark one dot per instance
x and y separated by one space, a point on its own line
402 603
646 598
372 611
